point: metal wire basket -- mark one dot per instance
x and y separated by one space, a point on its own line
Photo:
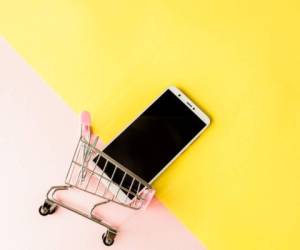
96 173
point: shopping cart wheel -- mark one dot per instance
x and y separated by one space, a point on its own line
47 208
43 211
108 238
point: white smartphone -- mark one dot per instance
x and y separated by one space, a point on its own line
152 141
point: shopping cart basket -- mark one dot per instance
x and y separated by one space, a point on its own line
84 174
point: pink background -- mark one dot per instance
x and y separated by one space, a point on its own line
37 139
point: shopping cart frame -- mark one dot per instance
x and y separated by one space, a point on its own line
83 169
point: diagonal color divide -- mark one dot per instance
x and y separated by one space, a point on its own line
238 186
37 139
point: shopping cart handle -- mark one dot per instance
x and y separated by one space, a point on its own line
85 122
85 118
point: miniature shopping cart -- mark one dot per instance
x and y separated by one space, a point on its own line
87 174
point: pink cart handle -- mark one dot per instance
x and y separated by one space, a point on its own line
86 123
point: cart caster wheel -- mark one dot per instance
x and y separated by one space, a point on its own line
43 211
47 208
108 238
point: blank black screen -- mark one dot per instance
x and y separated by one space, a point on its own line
155 137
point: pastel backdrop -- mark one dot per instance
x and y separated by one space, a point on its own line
237 187
38 137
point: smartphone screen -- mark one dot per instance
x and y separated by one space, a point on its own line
153 139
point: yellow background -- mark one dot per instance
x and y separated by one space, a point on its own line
238 186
